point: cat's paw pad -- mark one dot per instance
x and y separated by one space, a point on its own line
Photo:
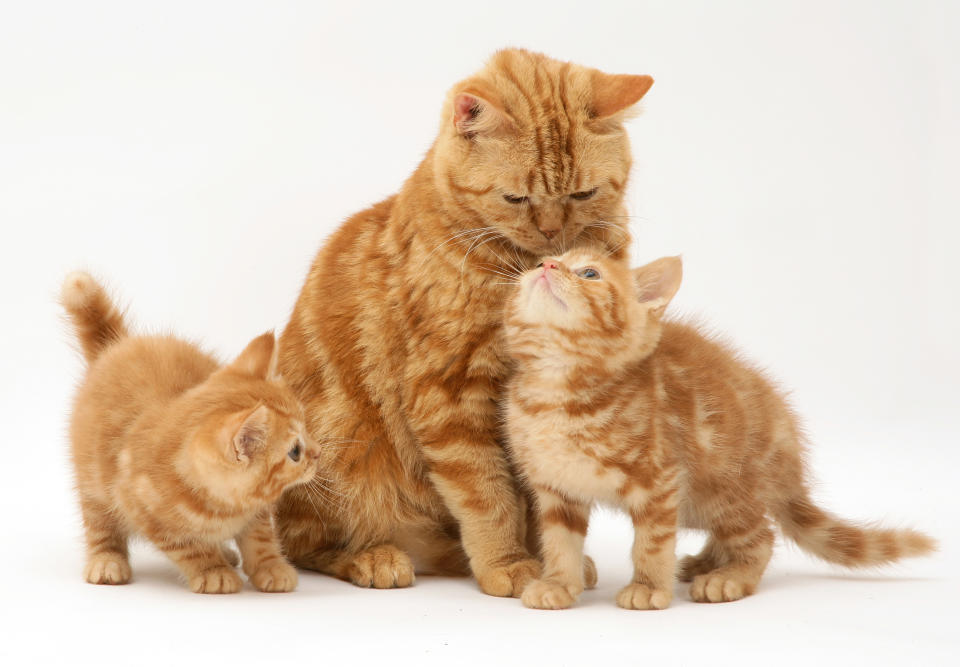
274 577
639 596
719 587
543 594
589 573
509 580
691 566
383 566
107 568
216 580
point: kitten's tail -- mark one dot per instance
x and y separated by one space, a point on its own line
824 535
97 321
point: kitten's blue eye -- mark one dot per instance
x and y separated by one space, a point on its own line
514 199
589 273
294 453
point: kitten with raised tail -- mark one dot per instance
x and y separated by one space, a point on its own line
170 445
610 403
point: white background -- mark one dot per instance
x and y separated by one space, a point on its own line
801 155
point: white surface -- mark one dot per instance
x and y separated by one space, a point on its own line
801 155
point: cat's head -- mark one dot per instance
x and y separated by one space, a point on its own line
587 304
536 148
251 443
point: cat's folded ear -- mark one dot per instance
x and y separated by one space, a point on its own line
251 435
658 282
615 93
477 110
257 358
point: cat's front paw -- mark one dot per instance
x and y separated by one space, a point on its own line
509 580
274 577
383 566
543 594
216 580
639 596
107 568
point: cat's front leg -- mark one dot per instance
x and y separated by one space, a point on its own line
563 527
653 553
203 564
263 561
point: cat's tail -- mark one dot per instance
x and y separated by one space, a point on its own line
97 321
851 545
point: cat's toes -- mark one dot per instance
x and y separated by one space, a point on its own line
107 568
719 587
383 566
691 566
216 580
589 573
274 577
509 580
639 596
543 594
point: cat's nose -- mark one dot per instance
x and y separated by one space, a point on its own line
549 233
550 264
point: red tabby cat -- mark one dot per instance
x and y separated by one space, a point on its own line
611 404
395 341
168 444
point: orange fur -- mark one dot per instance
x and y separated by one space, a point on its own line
395 342
168 444
609 403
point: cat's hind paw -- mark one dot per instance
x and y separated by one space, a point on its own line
639 596
107 568
275 577
721 586
216 580
589 573
543 594
509 580
382 566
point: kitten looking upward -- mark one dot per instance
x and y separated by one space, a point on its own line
610 403
168 444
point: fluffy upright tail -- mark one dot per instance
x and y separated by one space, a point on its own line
847 544
96 320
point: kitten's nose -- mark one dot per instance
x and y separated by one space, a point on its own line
550 264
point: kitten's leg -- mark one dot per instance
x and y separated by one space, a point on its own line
654 557
107 558
204 565
380 566
740 546
563 527
263 561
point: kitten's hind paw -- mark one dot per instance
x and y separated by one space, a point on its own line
107 568
216 580
543 594
274 577
723 585
589 573
509 580
639 596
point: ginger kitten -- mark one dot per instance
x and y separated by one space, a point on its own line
611 404
170 445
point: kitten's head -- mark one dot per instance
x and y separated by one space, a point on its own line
536 148
252 443
587 304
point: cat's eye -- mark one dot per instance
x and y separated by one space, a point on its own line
589 273
586 194
514 199
295 453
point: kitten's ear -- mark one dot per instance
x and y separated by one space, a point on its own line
252 434
613 93
657 283
256 357
478 110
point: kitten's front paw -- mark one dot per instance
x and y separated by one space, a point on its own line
274 577
639 596
107 568
383 566
216 580
543 594
509 580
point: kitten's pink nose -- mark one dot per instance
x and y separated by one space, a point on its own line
550 264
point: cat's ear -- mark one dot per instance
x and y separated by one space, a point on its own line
613 93
251 435
256 357
477 110
657 283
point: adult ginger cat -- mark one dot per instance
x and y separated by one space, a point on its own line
609 403
395 343
169 445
